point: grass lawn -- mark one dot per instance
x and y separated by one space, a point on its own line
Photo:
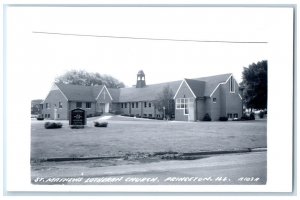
125 135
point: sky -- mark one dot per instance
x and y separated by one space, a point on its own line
43 57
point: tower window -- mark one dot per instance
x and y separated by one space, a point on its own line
232 85
145 104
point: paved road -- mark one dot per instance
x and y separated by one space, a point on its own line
246 168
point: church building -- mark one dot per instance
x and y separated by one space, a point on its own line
218 96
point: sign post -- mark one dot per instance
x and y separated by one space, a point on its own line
77 118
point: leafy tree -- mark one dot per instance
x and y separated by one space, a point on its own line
82 77
165 100
255 85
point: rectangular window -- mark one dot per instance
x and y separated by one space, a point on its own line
78 104
57 116
132 105
121 105
214 100
235 115
41 106
59 104
137 104
232 86
229 115
47 105
48 115
183 103
88 104
125 105
145 104
149 105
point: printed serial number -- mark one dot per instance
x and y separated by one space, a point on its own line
249 179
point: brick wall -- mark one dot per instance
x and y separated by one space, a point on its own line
88 111
53 99
233 101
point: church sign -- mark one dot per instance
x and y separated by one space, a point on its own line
77 117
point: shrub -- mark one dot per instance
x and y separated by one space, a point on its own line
223 119
206 117
40 118
261 114
52 125
252 116
245 117
89 115
100 124
131 115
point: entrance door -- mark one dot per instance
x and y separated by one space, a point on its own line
106 108
191 108
55 114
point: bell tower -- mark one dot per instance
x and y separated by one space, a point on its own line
140 79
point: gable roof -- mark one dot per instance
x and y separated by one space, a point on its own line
201 87
196 86
147 93
79 92
212 82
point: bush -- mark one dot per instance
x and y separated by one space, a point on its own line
131 115
261 114
40 118
100 124
98 114
52 125
223 119
206 117
252 116
89 115
245 117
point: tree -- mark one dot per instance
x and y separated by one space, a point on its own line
255 85
165 102
82 77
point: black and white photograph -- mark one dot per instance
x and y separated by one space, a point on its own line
145 95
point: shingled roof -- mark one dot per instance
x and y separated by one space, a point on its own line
211 82
147 93
79 92
201 87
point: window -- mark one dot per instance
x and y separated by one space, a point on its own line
48 115
229 115
57 116
59 104
88 105
132 105
137 104
235 115
145 115
41 106
150 115
78 104
214 100
145 104
149 105
125 105
183 103
232 85
121 105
